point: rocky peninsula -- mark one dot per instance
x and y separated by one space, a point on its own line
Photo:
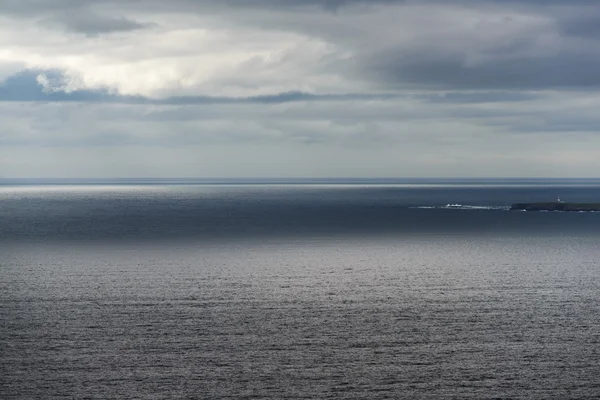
556 206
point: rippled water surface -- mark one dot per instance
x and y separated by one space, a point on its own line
270 293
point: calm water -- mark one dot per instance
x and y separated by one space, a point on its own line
298 291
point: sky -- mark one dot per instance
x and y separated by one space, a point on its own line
299 88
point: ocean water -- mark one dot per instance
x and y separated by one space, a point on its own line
268 290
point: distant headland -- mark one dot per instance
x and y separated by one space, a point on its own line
556 206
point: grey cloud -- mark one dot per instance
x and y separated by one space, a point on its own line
77 16
92 24
582 22
480 97
351 111
394 129
568 122
424 101
22 88
41 7
516 63
451 70
37 7
550 72
556 55
329 5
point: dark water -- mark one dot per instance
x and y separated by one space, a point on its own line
298 291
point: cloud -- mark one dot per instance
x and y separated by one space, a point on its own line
92 24
263 47
452 72
52 85
400 136
323 88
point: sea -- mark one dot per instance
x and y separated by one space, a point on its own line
298 289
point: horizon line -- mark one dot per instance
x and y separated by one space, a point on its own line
286 179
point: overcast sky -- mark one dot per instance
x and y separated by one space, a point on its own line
299 88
